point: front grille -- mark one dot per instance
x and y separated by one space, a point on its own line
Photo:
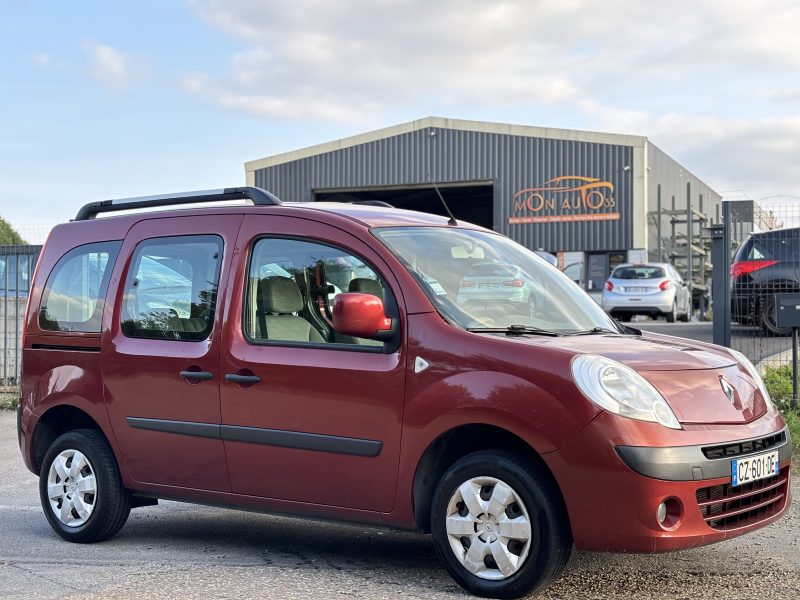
746 447
726 507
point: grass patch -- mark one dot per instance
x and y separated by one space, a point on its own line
9 398
779 385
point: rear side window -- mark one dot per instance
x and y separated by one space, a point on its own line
171 288
74 293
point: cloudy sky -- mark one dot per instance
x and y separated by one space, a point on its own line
102 99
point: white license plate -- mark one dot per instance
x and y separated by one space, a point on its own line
635 290
488 286
753 468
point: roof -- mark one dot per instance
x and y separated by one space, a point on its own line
452 124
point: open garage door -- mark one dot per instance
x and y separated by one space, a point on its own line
471 203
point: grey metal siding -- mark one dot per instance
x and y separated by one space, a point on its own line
672 178
510 162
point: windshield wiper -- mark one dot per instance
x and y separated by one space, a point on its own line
515 330
594 331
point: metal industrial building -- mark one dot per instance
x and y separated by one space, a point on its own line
593 199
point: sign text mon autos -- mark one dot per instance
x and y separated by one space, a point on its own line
567 198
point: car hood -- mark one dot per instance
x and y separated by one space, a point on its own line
698 394
646 352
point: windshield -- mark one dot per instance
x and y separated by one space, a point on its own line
478 279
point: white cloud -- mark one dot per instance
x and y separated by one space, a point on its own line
109 66
41 60
714 83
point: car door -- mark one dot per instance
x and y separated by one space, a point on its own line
160 354
307 415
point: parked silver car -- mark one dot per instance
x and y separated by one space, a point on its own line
653 289
490 283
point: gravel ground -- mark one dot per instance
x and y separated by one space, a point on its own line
184 551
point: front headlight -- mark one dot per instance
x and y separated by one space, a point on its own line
751 368
621 390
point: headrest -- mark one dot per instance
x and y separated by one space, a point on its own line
280 295
365 285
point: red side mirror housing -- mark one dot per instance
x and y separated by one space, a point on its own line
361 315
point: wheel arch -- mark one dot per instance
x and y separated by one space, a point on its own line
455 443
55 422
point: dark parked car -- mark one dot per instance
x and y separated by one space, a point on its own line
314 359
765 264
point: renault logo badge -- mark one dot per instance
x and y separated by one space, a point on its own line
727 388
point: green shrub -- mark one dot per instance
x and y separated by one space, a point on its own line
9 400
779 385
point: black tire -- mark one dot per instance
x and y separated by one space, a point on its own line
685 318
670 316
625 318
766 317
111 503
551 537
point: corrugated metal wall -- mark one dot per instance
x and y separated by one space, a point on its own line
668 175
511 163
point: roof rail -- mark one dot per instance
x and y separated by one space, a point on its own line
258 196
371 203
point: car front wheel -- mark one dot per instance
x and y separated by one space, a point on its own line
499 525
81 489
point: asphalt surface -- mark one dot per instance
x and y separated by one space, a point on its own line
184 551
750 341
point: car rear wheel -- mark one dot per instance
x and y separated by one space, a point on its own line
499 525
80 488
766 317
670 316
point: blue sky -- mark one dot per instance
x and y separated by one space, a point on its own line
102 99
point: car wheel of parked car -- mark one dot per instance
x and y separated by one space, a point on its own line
625 318
499 525
670 316
766 317
80 488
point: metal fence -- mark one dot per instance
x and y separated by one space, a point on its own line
757 260
16 272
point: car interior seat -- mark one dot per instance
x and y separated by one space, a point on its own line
279 299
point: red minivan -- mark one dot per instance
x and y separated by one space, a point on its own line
314 359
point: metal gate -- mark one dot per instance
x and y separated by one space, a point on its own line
16 272
756 258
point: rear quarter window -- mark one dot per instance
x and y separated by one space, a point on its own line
73 297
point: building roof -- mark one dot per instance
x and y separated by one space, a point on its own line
452 124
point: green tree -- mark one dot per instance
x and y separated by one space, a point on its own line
8 235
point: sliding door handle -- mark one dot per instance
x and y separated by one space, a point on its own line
242 379
198 375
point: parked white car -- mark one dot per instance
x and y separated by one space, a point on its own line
653 289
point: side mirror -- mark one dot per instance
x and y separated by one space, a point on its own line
363 316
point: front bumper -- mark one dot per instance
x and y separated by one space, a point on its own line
613 503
